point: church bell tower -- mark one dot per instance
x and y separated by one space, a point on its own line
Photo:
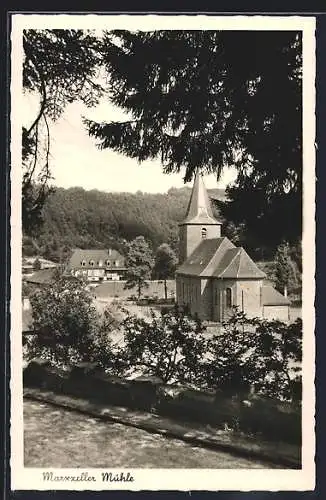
199 222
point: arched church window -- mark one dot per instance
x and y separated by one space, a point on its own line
204 233
228 297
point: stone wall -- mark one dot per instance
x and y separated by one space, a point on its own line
273 420
281 313
116 289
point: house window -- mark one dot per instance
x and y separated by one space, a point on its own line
228 297
204 233
83 263
91 263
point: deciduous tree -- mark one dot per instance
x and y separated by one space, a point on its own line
165 264
67 326
259 354
170 346
139 263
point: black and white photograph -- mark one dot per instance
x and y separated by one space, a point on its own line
162 252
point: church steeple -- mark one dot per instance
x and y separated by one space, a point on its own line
199 222
199 209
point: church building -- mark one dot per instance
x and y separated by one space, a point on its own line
214 275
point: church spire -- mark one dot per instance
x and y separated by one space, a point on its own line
199 209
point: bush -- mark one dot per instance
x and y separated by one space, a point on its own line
67 326
170 346
257 354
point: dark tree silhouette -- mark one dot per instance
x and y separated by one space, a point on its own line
209 100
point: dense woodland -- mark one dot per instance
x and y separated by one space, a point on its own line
94 219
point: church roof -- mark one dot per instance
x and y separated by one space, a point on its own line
199 209
271 297
236 263
219 258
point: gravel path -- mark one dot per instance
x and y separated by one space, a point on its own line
54 437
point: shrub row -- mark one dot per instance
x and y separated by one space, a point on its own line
273 420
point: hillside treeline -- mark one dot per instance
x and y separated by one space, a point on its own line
94 219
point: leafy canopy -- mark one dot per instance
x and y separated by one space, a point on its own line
67 325
170 346
139 263
211 100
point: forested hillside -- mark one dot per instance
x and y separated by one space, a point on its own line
94 219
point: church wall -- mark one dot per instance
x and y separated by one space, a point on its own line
182 243
250 300
189 293
220 309
206 311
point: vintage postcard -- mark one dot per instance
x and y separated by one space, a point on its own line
162 252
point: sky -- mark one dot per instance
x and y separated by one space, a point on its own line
76 161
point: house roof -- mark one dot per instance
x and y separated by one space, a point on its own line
199 209
42 277
87 255
271 297
219 258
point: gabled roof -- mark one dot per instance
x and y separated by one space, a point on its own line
271 297
219 258
237 264
42 277
206 257
199 209
79 255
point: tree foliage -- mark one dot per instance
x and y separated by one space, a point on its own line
209 100
248 354
259 354
139 263
285 270
67 325
37 265
170 346
165 264
60 66
93 219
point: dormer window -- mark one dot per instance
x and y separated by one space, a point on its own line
204 233
83 263
116 263
91 263
100 263
108 263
